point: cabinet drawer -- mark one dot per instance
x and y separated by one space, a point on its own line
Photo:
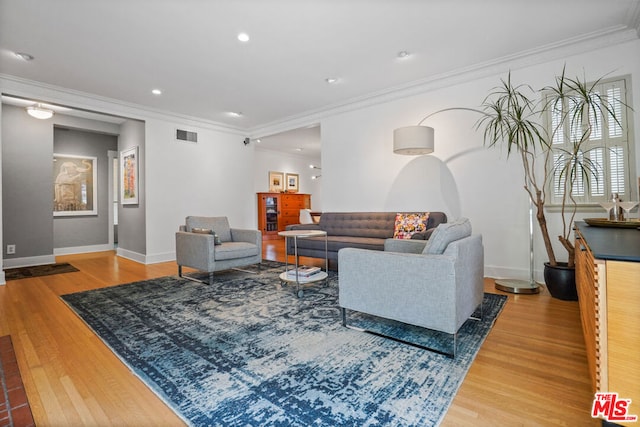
297 203
289 221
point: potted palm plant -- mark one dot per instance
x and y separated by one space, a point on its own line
514 115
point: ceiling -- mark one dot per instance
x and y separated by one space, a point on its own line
122 49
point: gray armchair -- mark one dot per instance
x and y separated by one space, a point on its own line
435 284
209 244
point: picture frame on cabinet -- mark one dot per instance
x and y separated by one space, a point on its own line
75 183
292 183
129 176
276 182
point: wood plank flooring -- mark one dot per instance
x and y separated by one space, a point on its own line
531 370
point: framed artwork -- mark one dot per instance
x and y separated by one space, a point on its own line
276 182
292 183
75 185
129 176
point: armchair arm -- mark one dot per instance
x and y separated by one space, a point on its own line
245 235
195 250
404 245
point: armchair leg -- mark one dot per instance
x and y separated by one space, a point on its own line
193 279
451 354
249 271
481 312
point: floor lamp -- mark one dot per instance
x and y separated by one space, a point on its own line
419 140
518 286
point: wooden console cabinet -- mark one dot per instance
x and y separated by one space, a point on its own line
277 210
608 283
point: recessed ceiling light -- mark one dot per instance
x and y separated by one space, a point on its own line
24 56
235 113
331 80
258 140
403 54
243 37
156 92
298 149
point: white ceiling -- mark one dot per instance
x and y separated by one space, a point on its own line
122 49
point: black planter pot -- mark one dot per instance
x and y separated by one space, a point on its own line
561 281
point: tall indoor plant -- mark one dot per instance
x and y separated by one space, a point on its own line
514 115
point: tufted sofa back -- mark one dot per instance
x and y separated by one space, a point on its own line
378 225
358 224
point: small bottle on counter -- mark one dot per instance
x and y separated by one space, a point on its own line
617 213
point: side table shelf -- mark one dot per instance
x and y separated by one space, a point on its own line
301 234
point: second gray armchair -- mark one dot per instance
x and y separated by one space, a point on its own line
435 284
209 244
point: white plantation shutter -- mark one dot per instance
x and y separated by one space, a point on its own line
607 150
597 184
616 169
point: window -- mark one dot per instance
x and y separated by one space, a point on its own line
608 151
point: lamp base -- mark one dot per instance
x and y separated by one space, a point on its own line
516 286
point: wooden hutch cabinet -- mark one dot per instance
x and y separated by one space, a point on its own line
277 210
608 283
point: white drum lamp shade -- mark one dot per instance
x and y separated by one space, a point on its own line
413 140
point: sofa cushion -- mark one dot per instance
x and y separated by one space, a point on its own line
219 225
235 250
447 233
407 224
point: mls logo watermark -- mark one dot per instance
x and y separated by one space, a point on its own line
611 408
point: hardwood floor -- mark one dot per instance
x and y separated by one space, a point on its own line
531 370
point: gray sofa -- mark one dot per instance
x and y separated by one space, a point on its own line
436 284
363 230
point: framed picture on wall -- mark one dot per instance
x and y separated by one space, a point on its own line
129 176
75 184
292 183
276 182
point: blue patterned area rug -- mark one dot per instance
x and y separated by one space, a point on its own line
247 352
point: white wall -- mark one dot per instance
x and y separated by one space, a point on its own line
214 177
461 178
269 160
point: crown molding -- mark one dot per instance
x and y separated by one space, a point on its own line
634 17
563 49
43 92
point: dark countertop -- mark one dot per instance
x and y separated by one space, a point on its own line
620 244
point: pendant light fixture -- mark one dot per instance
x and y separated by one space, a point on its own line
38 112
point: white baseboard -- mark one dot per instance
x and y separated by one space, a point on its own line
133 256
146 259
163 257
28 261
82 249
500 272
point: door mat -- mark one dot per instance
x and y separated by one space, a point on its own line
38 270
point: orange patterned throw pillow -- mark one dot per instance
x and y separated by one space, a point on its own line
408 224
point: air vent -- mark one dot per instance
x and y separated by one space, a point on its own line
185 135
